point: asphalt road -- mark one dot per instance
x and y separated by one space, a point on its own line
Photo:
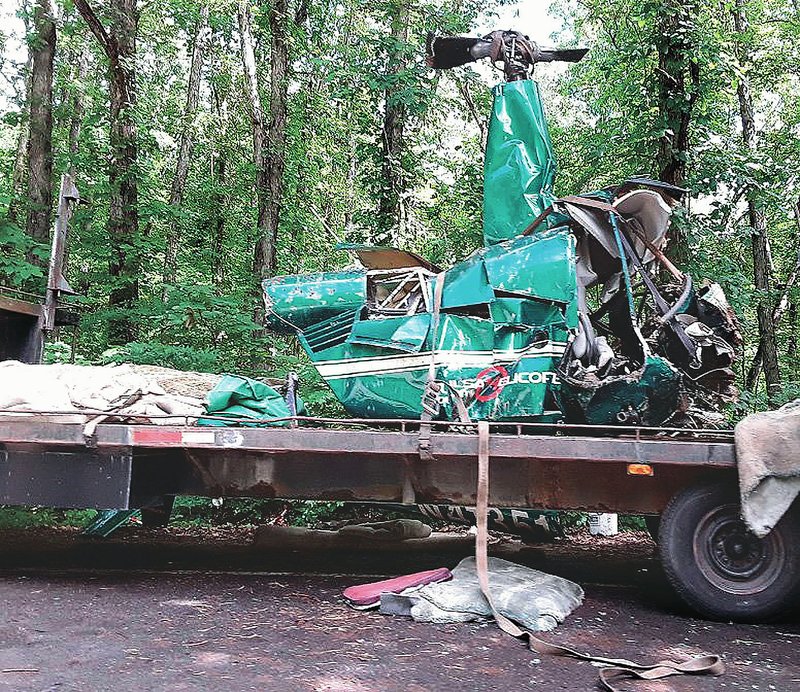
124 629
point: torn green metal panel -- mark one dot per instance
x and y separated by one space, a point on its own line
391 395
467 284
521 337
649 396
524 394
525 312
541 266
394 333
327 334
109 520
306 299
519 166
380 380
377 365
467 335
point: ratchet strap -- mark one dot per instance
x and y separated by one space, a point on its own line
433 387
616 668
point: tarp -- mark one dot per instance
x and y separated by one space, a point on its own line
520 166
154 395
534 599
251 402
767 447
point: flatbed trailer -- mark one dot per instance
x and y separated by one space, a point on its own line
561 467
688 478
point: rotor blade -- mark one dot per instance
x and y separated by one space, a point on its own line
450 51
560 54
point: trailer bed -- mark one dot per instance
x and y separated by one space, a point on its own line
114 465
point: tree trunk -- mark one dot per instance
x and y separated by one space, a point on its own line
264 247
40 141
76 117
784 304
759 240
266 259
185 147
123 222
215 221
119 45
477 118
678 79
269 142
390 210
17 206
218 228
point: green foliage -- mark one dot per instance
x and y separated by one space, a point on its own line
154 353
16 251
310 512
61 352
41 517
631 522
201 511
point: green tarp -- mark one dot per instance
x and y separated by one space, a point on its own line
247 401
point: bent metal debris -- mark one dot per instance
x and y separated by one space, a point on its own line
560 316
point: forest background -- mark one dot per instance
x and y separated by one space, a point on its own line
216 143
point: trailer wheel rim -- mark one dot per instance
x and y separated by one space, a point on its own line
731 557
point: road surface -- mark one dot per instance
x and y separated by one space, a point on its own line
91 628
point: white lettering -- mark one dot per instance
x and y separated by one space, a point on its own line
497 516
470 384
455 513
519 519
432 511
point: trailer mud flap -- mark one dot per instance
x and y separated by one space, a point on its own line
84 479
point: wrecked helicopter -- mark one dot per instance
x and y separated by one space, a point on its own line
559 317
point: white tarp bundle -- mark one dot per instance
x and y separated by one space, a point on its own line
159 395
535 600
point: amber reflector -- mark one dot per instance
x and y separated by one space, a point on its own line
640 470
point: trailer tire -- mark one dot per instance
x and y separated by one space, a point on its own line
721 569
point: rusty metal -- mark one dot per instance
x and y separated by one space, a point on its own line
638 431
20 331
24 322
20 307
536 470
56 283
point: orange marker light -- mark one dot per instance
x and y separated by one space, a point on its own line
640 470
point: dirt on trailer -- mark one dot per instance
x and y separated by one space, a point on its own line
143 610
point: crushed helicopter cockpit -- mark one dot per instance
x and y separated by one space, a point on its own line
557 318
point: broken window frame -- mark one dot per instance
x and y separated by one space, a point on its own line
406 283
